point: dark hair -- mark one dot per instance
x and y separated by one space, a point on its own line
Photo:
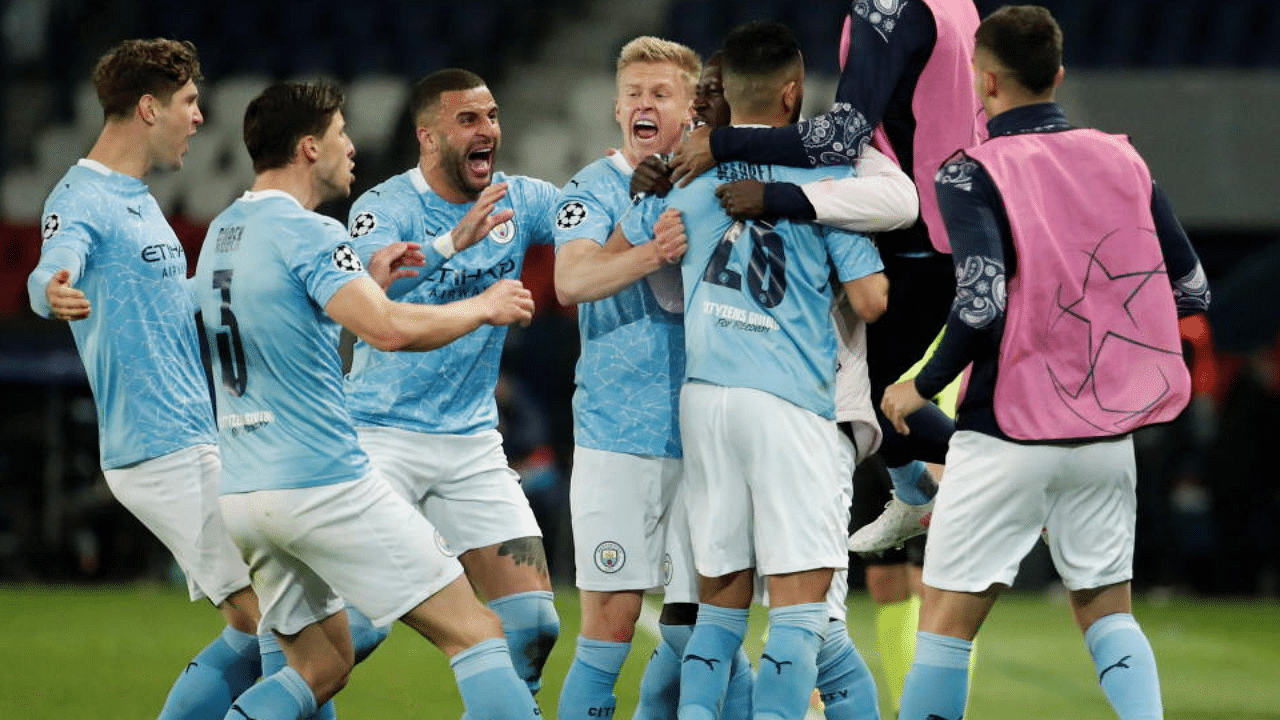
282 115
134 68
1027 40
760 48
427 91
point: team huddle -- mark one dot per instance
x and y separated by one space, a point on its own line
751 287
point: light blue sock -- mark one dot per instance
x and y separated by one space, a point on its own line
737 697
937 685
708 659
845 683
660 684
530 622
273 661
214 678
911 484
282 696
788 665
588 686
489 685
1126 667
365 636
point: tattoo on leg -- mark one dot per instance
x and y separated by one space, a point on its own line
526 551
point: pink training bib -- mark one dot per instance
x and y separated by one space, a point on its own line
1091 345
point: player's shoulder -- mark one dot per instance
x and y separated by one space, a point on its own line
524 187
958 171
84 188
607 170
389 192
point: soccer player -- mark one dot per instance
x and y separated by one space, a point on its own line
905 70
313 519
112 265
429 421
1072 270
627 456
879 198
764 456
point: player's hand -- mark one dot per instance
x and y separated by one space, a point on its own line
742 199
900 400
692 156
669 240
481 219
507 301
396 261
651 177
66 302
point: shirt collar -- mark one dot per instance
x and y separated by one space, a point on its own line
1038 117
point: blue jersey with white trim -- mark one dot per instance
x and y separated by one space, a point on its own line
758 294
631 364
449 390
267 269
139 344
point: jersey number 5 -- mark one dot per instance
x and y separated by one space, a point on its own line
230 347
766 271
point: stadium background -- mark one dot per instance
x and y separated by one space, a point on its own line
1195 84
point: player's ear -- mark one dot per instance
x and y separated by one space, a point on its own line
309 148
147 108
426 140
790 96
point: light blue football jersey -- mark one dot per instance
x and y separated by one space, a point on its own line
631 363
139 344
758 294
267 269
449 390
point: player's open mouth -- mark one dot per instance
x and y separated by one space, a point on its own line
645 129
480 162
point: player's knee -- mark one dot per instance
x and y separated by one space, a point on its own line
240 610
326 675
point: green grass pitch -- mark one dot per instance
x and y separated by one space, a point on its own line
112 652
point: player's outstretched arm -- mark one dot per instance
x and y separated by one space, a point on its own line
362 307
587 271
395 261
868 295
61 299
879 197
480 219
900 400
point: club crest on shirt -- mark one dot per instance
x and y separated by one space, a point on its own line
345 259
571 215
52 224
504 233
363 224
610 557
666 569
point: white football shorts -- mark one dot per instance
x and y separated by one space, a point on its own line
620 506
679 576
461 483
176 497
308 549
997 496
773 476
